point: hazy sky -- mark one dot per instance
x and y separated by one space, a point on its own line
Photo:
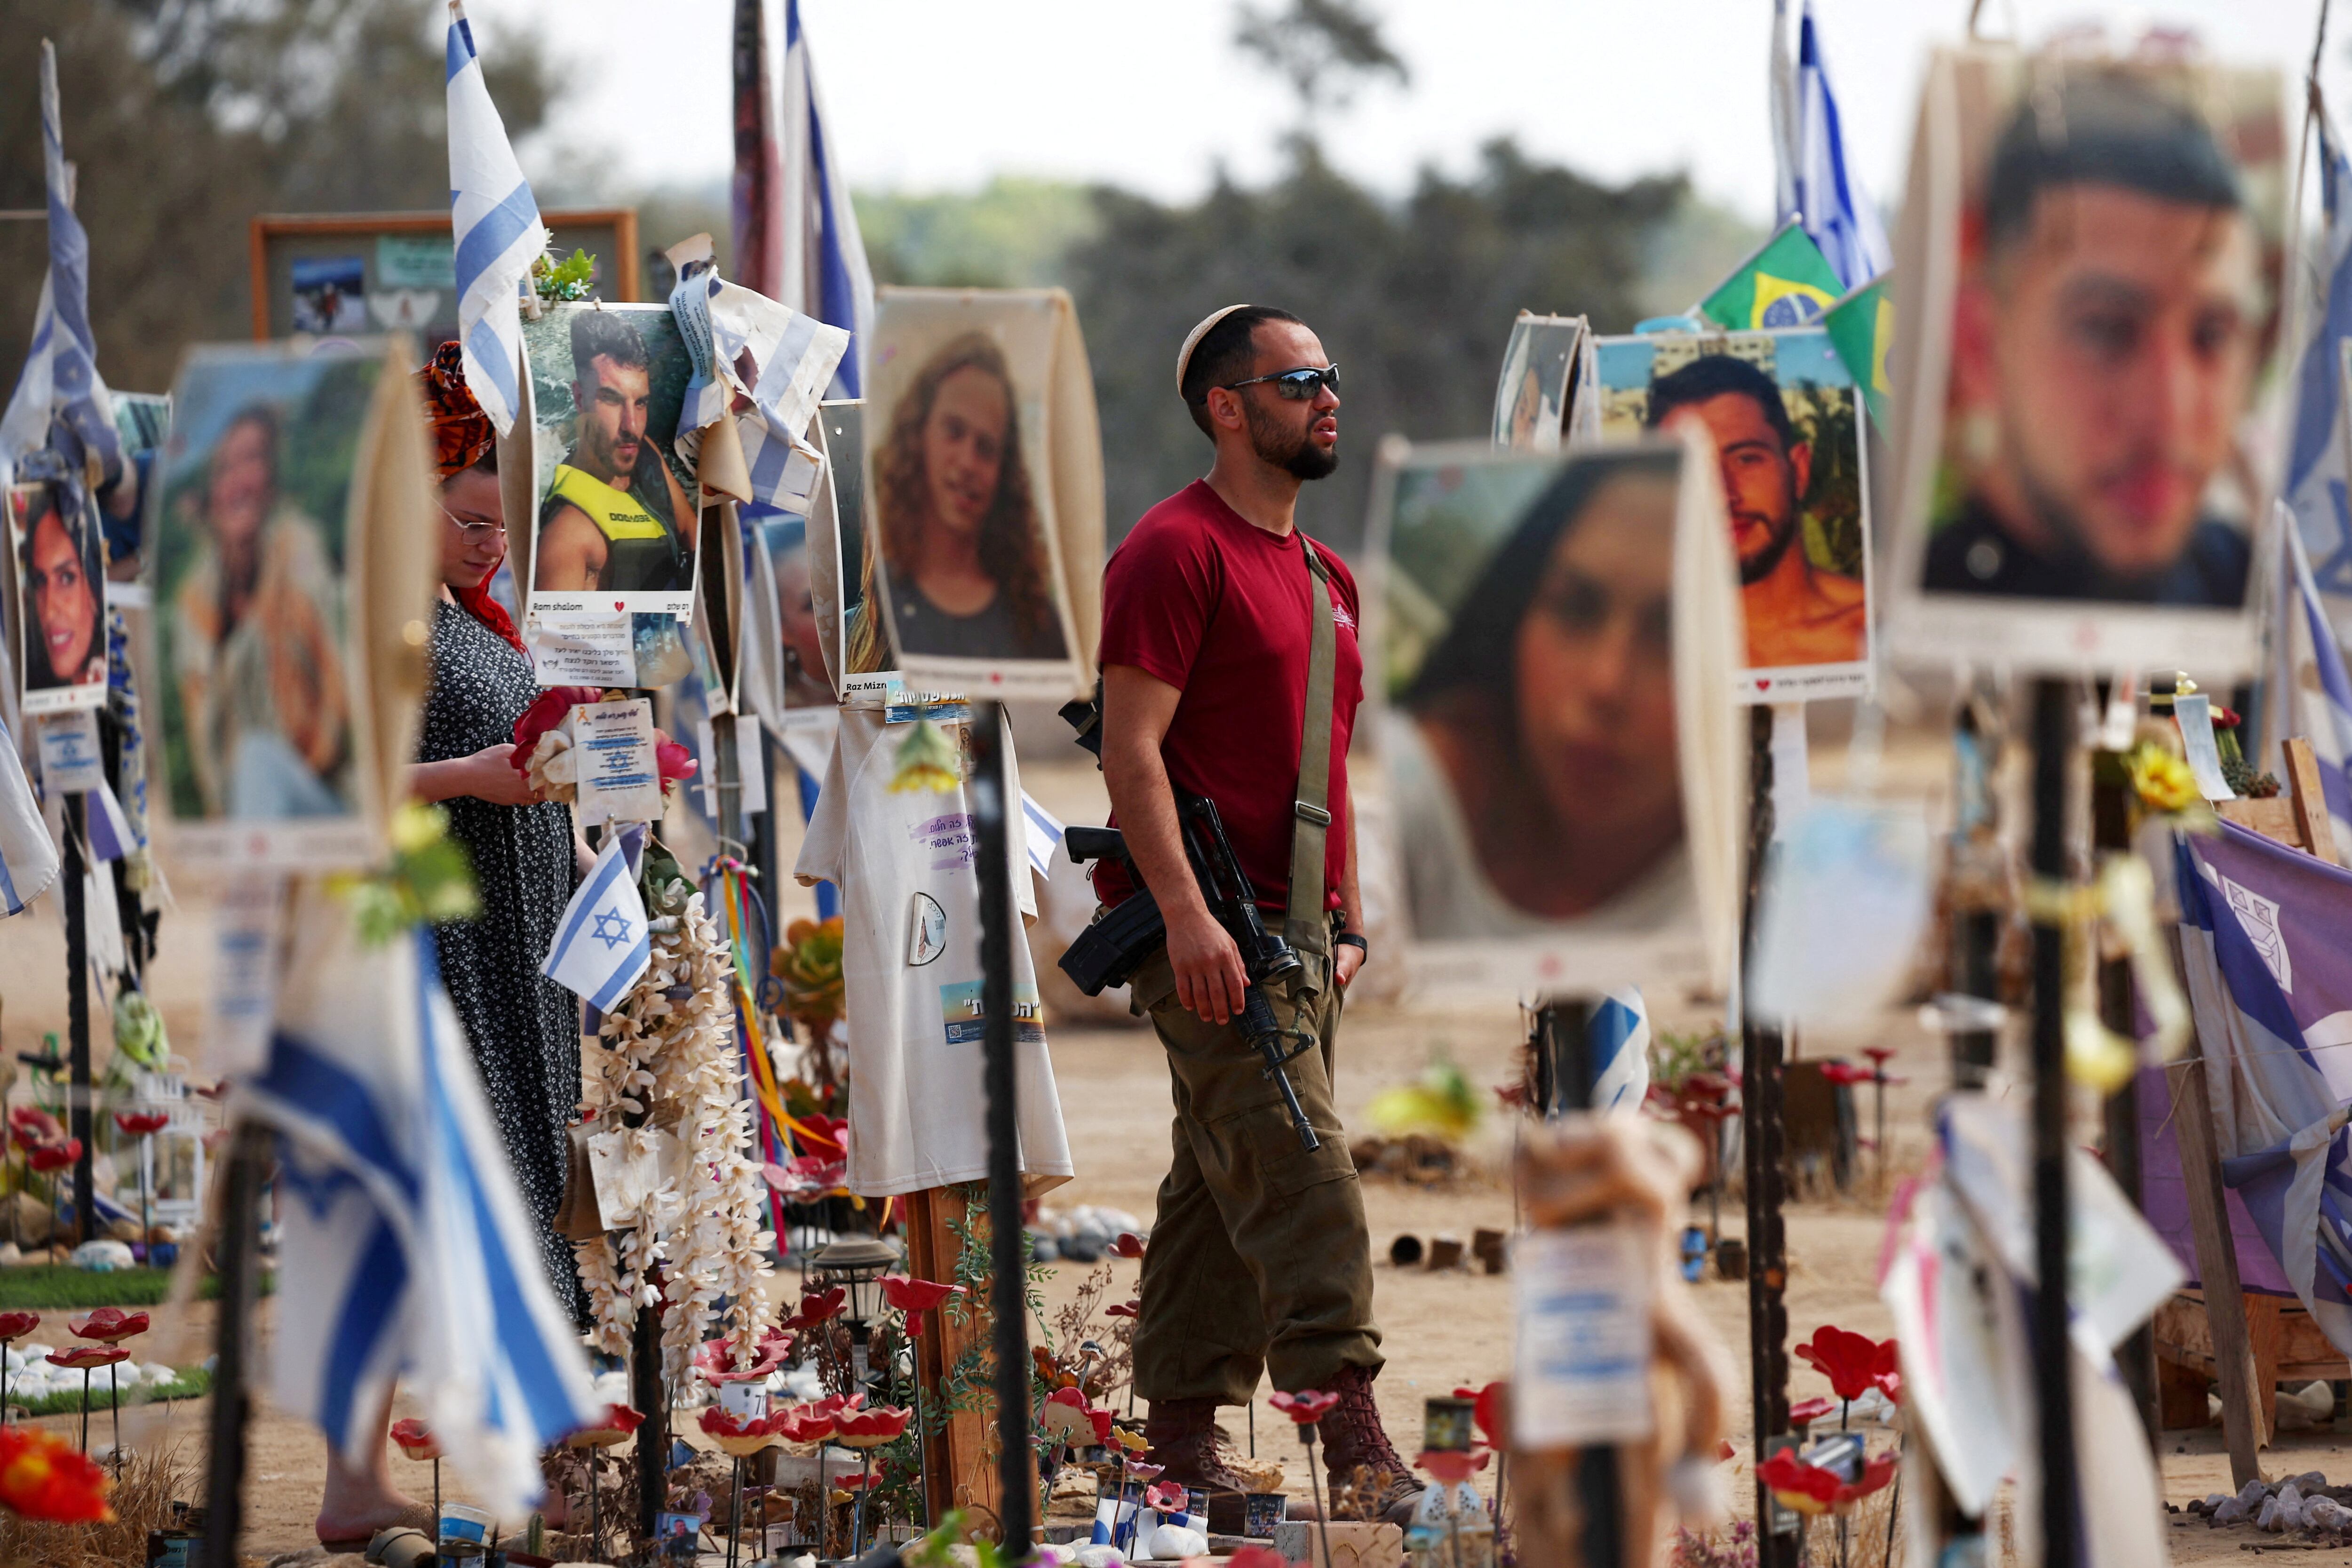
941 94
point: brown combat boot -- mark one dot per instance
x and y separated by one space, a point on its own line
1183 1438
1367 1480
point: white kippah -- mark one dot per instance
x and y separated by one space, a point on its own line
1193 340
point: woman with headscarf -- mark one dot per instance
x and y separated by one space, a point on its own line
1535 763
959 535
523 1027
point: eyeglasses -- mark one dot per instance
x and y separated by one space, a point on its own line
1299 385
471 528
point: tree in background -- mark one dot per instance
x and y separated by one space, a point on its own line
186 118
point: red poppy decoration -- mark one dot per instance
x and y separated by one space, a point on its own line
1808 1488
740 1434
1852 1362
415 1439
16 1325
42 1477
870 1429
673 761
1124 1310
1138 1470
552 707
609 1429
46 1157
1453 1466
806 1177
1878 1054
914 1297
1306 1407
111 1324
716 1358
1805 1412
29 1125
822 1134
1846 1072
139 1123
1166 1498
1129 1245
1487 1409
78 1357
818 1307
1257 1557
803 1424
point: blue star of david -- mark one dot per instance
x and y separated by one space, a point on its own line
619 936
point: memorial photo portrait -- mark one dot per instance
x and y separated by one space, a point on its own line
1779 409
250 547
616 518
1531 403
2103 282
61 589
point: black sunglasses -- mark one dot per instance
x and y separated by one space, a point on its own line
1299 385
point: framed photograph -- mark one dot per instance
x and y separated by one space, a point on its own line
2089 273
1536 396
837 550
290 581
1781 411
784 672
616 517
349 273
983 495
1555 636
59 555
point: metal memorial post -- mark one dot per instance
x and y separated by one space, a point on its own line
78 1106
1008 1258
2053 739
247 1164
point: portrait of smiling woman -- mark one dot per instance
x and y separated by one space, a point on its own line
64 643
959 538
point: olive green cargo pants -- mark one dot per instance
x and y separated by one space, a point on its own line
1259 1259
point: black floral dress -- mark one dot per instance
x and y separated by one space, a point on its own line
524 1027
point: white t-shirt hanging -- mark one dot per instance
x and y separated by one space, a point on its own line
910 973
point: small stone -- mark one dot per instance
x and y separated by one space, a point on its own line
2311 1481
2268 1520
2233 1510
2253 1493
2325 1513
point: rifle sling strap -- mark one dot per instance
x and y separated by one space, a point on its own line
1305 926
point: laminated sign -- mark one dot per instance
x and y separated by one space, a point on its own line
620 780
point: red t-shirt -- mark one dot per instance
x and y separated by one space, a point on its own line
1217 607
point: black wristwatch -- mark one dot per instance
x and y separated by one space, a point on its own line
1349 939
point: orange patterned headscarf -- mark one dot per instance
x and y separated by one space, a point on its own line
462 435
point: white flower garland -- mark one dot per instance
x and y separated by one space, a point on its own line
667 1051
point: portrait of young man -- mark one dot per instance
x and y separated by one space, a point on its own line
615 519
2109 324
1796 613
1260 1264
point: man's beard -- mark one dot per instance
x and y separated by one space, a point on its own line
1764 562
606 455
1295 454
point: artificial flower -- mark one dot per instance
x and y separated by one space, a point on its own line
111 1324
1139 1471
609 1429
1487 1409
913 1298
804 1424
81 1358
740 1436
1453 1466
42 1477
1847 1072
806 1178
716 1359
2162 781
30 1125
870 1429
1808 1488
139 1123
416 1440
1070 1418
673 761
1132 1439
1129 1245
46 1157
1167 1497
818 1307
1124 1310
1852 1362
1306 1407
1805 1412
550 711
16 1325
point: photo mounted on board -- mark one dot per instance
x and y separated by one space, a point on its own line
616 520
2096 246
1557 741
1779 411
1535 397
61 597
282 540
969 501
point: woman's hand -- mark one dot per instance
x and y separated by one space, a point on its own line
488 774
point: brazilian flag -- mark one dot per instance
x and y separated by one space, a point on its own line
1861 327
1788 283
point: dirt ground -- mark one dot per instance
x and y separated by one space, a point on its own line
1440 1329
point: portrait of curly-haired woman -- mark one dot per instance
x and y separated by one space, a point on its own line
958 537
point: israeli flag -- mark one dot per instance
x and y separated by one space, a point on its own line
497 228
407 1251
1043 833
59 402
1838 218
824 269
1619 1037
778 359
2315 488
105 825
28 857
2270 983
604 943
2324 716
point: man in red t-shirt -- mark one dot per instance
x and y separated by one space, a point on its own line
1260 1261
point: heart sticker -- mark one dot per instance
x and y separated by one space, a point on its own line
616 603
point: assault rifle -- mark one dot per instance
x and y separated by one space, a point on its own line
1115 945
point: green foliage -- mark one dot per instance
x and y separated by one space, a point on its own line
1012 233
47 1287
563 280
1413 300
1321 47
194 1382
1833 499
430 878
1674 1056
